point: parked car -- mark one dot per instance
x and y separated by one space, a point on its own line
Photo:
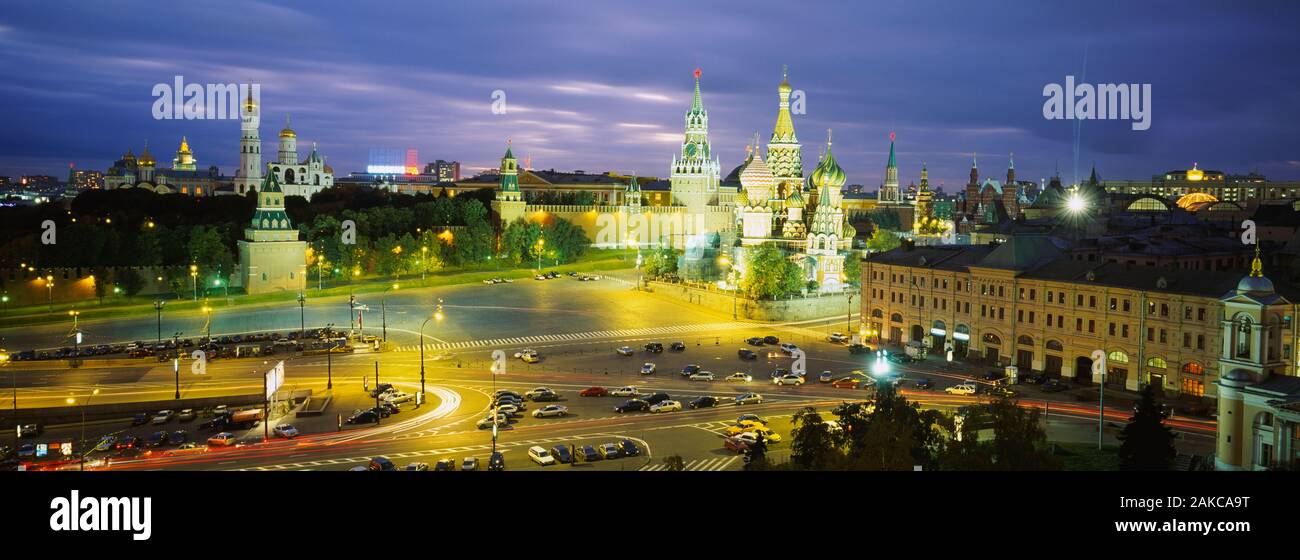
690 369
416 467
30 430
562 454
381 464
178 437
539 392
140 419
754 341
749 398
677 346
1053 386
1031 378
1002 392
593 392
588 453
751 418
363 417
739 377
838 338
788 348
825 377
632 405
624 350
647 368
747 354
628 448
469 464
859 349
701 376
654 347
497 462
899 358
704 402
609 450
286 431
156 439
551 410
187 415
771 339
540 455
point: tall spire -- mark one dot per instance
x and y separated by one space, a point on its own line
697 104
1256 265
893 163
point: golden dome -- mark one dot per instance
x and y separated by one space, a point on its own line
146 158
185 146
288 133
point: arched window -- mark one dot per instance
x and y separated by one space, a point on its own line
1157 363
990 338
1193 368
1025 340
876 313
1117 357
1243 332
897 318
288 175
1055 345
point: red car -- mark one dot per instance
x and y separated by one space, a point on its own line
845 383
593 392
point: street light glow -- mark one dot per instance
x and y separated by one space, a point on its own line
1076 203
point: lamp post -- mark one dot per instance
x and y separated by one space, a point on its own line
83 424
76 334
437 315
383 310
207 324
4 361
176 371
540 243
157 307
424 258
329 359
302 315
194 278
49 286
848 314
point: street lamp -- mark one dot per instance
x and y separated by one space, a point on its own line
329 358
194 278
76 334
302 315
4 361
383 310
437 315
540 243
157 307
49 285
207 325
424 258
70 401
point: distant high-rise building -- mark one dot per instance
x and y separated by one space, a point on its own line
83 179
445 171
412 162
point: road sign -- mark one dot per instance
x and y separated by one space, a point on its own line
274 379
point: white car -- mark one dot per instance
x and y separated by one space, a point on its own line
501 421
740 377
186 415
624 350
162 417
789 379
963 389
788 348
285 431
647 368
396 397
750 398
550 410
507 409
539 391
540 455
837 338
701 376
629 391
666 406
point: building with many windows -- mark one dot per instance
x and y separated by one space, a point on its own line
1025 302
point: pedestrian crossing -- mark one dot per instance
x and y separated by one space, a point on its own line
716 464
571 337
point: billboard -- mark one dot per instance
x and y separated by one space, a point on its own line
274 379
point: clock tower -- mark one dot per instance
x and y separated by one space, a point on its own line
695 171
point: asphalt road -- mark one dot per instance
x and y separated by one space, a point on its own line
576 326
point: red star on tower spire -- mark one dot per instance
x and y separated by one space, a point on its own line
697 72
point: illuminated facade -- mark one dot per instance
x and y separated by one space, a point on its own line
143 172
1026 303
271 257
299 178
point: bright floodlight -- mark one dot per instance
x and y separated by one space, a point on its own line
1076 203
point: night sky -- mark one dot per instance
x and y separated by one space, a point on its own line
604 86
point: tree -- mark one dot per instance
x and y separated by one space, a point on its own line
130 281
769 274
1019 440
660 263
811 444
1148 445
674 463
882 240
853 269
101 284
